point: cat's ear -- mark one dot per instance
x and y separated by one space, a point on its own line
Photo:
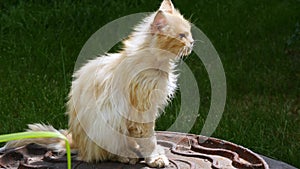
167 6
159 22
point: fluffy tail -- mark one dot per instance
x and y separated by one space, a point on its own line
55 144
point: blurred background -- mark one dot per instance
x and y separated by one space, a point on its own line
258 42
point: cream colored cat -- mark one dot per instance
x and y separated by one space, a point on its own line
115 99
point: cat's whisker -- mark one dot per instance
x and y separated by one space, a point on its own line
199 40
184 58
180 53
186 48
183 52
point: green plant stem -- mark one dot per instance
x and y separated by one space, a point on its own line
31 135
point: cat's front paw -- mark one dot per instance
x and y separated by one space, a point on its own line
157 161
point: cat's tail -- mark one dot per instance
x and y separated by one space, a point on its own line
55 144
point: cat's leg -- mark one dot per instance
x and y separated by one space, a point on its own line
159 160
154 154
128 153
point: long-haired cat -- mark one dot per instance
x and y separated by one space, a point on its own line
115 99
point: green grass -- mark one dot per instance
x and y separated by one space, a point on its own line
40 41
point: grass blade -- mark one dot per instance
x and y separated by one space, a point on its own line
42 134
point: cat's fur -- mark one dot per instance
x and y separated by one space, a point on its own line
115 99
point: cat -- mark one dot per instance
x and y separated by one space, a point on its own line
115 99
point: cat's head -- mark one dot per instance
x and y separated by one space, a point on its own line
171 31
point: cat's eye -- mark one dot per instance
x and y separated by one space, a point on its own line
181 35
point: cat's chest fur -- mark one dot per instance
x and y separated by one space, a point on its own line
145 80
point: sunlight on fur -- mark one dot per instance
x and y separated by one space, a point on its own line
115 99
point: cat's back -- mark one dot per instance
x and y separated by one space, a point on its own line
102 64
94 73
